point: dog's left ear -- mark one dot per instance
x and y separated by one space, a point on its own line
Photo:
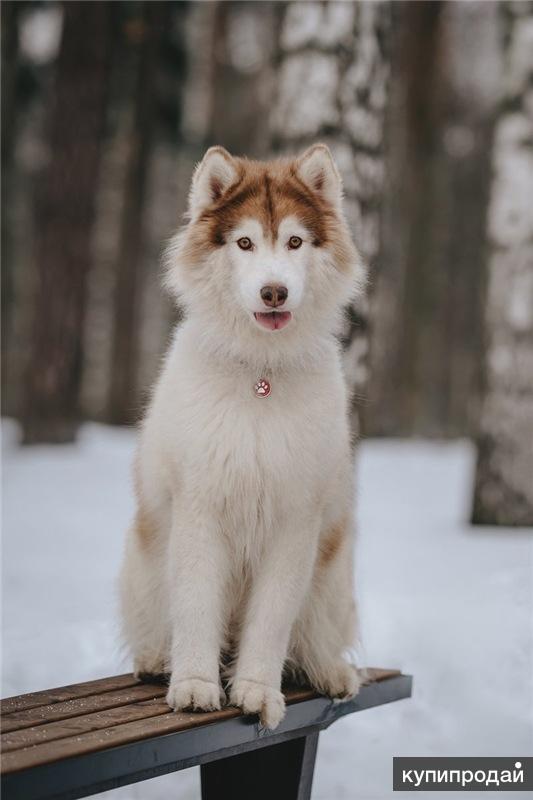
317 169
213 176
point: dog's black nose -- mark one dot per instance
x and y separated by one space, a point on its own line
274 295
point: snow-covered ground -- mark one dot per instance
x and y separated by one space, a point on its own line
450 604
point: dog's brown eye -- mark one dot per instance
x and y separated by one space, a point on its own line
294 242
245 243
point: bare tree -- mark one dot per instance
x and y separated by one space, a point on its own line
504 483
64 215
333 75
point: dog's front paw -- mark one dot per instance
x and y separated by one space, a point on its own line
341 681
194 694
258 698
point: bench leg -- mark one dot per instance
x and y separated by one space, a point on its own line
279 771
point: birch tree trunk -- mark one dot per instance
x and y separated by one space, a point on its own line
504 479
332 79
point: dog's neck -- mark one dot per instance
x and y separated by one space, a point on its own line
258 355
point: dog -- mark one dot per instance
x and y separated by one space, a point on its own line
239 562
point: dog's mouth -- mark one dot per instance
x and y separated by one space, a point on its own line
273 320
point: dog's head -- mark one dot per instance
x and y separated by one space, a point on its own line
267 249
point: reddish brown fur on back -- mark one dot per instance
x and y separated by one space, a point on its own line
331 543
269 192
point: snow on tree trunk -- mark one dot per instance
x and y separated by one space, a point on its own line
332 87
504 479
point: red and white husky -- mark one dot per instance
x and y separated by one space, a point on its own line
241 550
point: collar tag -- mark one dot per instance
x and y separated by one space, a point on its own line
262 388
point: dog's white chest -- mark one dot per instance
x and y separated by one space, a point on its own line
250 451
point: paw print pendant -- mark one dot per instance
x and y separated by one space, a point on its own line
262 388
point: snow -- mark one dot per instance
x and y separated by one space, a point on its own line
448 603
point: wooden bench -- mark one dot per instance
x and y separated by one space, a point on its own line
89 737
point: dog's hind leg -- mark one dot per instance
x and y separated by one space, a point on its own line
326 629
143 598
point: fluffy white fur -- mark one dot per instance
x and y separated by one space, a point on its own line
242 499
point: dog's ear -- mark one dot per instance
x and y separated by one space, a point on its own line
317 169
213 176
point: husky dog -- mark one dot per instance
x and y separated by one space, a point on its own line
241 550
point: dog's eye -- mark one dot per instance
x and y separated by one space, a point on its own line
294 242
245 243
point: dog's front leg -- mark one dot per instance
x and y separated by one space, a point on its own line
279 587
197 578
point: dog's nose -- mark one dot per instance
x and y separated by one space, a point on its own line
274 295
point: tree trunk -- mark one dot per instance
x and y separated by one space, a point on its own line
64 213
242 41
333 75
504 484
10 12
427 304
123 402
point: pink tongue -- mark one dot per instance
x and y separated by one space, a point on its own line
273 320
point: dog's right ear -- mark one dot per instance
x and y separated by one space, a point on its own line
213 176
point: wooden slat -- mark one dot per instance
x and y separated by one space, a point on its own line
81 732
22 702
100 720
374 675
52 731
84 705
101 740
172 722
